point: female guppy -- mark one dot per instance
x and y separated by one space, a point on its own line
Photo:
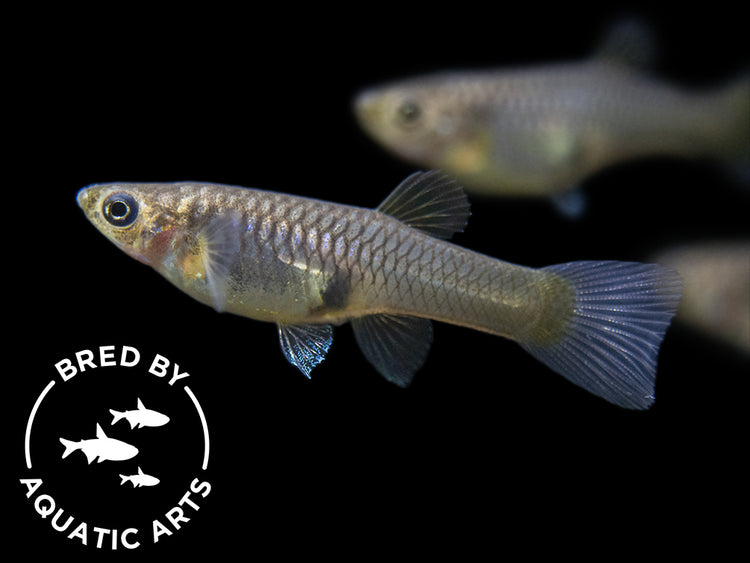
307 265
541 131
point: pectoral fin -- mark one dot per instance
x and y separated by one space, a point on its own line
305 346
219 243
396 345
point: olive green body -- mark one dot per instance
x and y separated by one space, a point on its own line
294 260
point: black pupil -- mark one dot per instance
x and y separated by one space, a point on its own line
409 112
119 209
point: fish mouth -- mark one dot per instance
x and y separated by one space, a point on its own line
82 197
365 105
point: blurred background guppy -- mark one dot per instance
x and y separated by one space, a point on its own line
716 292
541 131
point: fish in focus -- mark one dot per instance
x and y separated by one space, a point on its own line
100 448
540 131
308 265
140 479
140 417
716 280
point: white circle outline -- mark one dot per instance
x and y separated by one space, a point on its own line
27 437
206 443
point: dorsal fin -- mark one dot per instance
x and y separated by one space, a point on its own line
99 432
429 201
630 42
140 405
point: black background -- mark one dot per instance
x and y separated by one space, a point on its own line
487 451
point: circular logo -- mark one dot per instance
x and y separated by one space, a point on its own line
116 449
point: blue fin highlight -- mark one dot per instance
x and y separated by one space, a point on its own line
305 346
571 204
621 313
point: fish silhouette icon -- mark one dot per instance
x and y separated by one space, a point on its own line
140 417
100 448
140 479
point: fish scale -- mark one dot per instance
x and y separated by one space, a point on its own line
307 265
399 278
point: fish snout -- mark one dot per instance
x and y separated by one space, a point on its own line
366 106
82 197
126 451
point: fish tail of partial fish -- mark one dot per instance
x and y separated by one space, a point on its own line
70 447
116 415
125 478
611 341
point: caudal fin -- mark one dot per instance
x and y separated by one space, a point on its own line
70 447
116 415
612 341
124 478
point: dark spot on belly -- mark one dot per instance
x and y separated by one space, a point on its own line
336 293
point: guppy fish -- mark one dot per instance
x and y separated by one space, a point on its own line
716 288
140 479
101 448
306 265
540 131
140 417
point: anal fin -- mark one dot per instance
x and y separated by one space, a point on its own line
396 345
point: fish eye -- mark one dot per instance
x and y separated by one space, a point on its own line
408 113
120 209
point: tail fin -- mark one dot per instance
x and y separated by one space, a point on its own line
621 313
70 447
116 415
124 478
